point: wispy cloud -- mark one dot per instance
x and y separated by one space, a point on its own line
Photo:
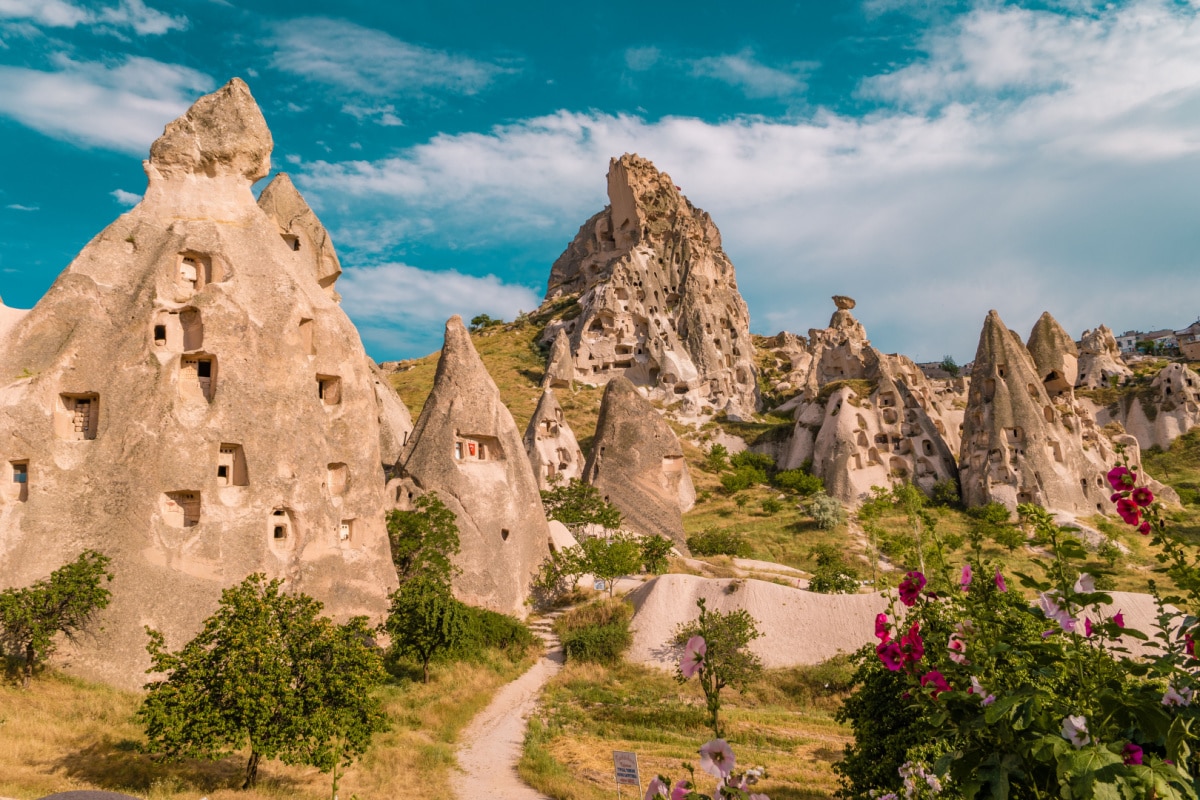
125 15
19 207
371 62
125 198
384 114
119 107
755 79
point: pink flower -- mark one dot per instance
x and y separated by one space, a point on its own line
910 588
693 656
1129 511
937 680
912 645
657 788
1189 644
680 792
1074 730
965 580
759 797
1142 496
1177 697
1085 584
716 758
1000 584
1121 478
958 649
890 654
1119 619
1053 609
1131 754
1087 627
1144 528
881 628
978 690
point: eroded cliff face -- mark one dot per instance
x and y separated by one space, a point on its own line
1100 362
658 298
191 401
1158 414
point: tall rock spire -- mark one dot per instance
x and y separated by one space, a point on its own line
551 445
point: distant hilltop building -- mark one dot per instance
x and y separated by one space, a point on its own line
1188 341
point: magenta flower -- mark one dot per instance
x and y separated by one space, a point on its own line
1189 644
965 581
1142 496
1121 478
1144 528
1000 584
912 645
1115 496
716 758
881 628
680 792
890 654
1087 627
657 788
910 588
1129 511
693 656
1131 754
937 680
958 649
1119 619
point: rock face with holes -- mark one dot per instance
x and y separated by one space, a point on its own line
560 367
188 399
395 420
866 418
658 299
551 445
1100 362
1158 414
301 230
466 448
637 464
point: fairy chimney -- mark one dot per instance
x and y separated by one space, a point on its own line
189 400
395 420
1054 355
637 464
1100 362
466 448
551 445
560 368
658 299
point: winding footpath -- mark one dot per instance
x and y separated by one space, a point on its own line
491 745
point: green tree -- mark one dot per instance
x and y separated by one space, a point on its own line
66 602
268 673
424 540
727 660
655 551
425 620
610 557
558 573
826 511
481 321
716 459
578 504
950 365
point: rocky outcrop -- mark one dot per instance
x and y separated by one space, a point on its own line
188 400
550 444
1158 414
637 464
301 230
466 447
1100 362
1054 355
560 366
9 317
395 420
657 296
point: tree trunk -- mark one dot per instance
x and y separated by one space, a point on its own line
425 670
251 770
30 655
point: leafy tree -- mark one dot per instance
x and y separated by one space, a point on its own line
950 365
758 461
610 557
714 542
579 504
424 540
827 512
832 574
716 459
268 673
946 493
727 660
481 321
559 572
65 603
655 550
798 481
425 620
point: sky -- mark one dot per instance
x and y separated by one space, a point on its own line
931 159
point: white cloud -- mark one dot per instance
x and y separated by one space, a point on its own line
745 72
371 62
384 115
1034 161
19 207
119 107
125 198
127 14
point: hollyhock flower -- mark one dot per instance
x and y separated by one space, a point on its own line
1177 697
1144 528
1053 609
912 644
881 628
1129 511
1074 730
759 797
890 654
1085 584
1142 496
1087 627
716 758
910 588
1000 584
1189 644
965 580
1119 619
657 788
958 648
680 792
1131 754
937 680
1115 496
978 690
693 656
1121 478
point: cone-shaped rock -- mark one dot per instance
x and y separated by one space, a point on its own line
560 367
637 464
658 297
466 447
395 420
1100 360
1054 355
188 400
301 230
550 444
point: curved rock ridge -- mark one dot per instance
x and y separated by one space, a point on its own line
301 230
637 464
466 447
551 445
188 400
658 298
1100 362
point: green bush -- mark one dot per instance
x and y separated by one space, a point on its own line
771 505
597 632
484 629
827 512
946 493
742 478
716 459
718 543
798 481
759 461
655 553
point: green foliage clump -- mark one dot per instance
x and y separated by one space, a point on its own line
946 494
719 543
799 481
991 521
577 505
950 365
481 321
425 620
597 632
832 574
727 659
827 512
269 674
610 557
771 505
65 603
655 550
491 630
758 461
424 540
606 557
716 459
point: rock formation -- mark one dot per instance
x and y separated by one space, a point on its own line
658 300
189 400
551 445
1100 360
1157 414
395 420
637 464
301 230
1054 355
560 367
466 447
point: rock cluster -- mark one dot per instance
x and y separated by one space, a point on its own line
1100 360
466 448
658 300
1158 414
550 444
189 399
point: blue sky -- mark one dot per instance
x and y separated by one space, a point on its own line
931 159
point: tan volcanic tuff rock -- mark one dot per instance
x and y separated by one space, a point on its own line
1170 409
188 400
1100 360
658 299
637 464
1025 439
466 447
395 420
1055 355
560 367
301 230
551 445
9 317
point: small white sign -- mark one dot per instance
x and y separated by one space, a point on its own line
626 767
600 586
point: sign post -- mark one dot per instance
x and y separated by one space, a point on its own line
626 768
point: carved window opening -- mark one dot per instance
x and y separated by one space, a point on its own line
337 478
291 240
279 526
231 466
78 416
181 509
20 479
504 534
198 377
346 531
329 389
193 329
197 270
160 335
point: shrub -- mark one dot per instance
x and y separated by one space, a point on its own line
484 629
742 478
597 632
827 512
946 493
759 461
425 621
798 481
655 550
716 459
578 504
718 543
832 574
771 505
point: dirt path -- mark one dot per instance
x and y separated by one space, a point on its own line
491 744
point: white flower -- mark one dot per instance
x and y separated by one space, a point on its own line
1177 697
1085 584
978 690
1074 730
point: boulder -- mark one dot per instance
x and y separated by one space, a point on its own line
466 448
551 445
